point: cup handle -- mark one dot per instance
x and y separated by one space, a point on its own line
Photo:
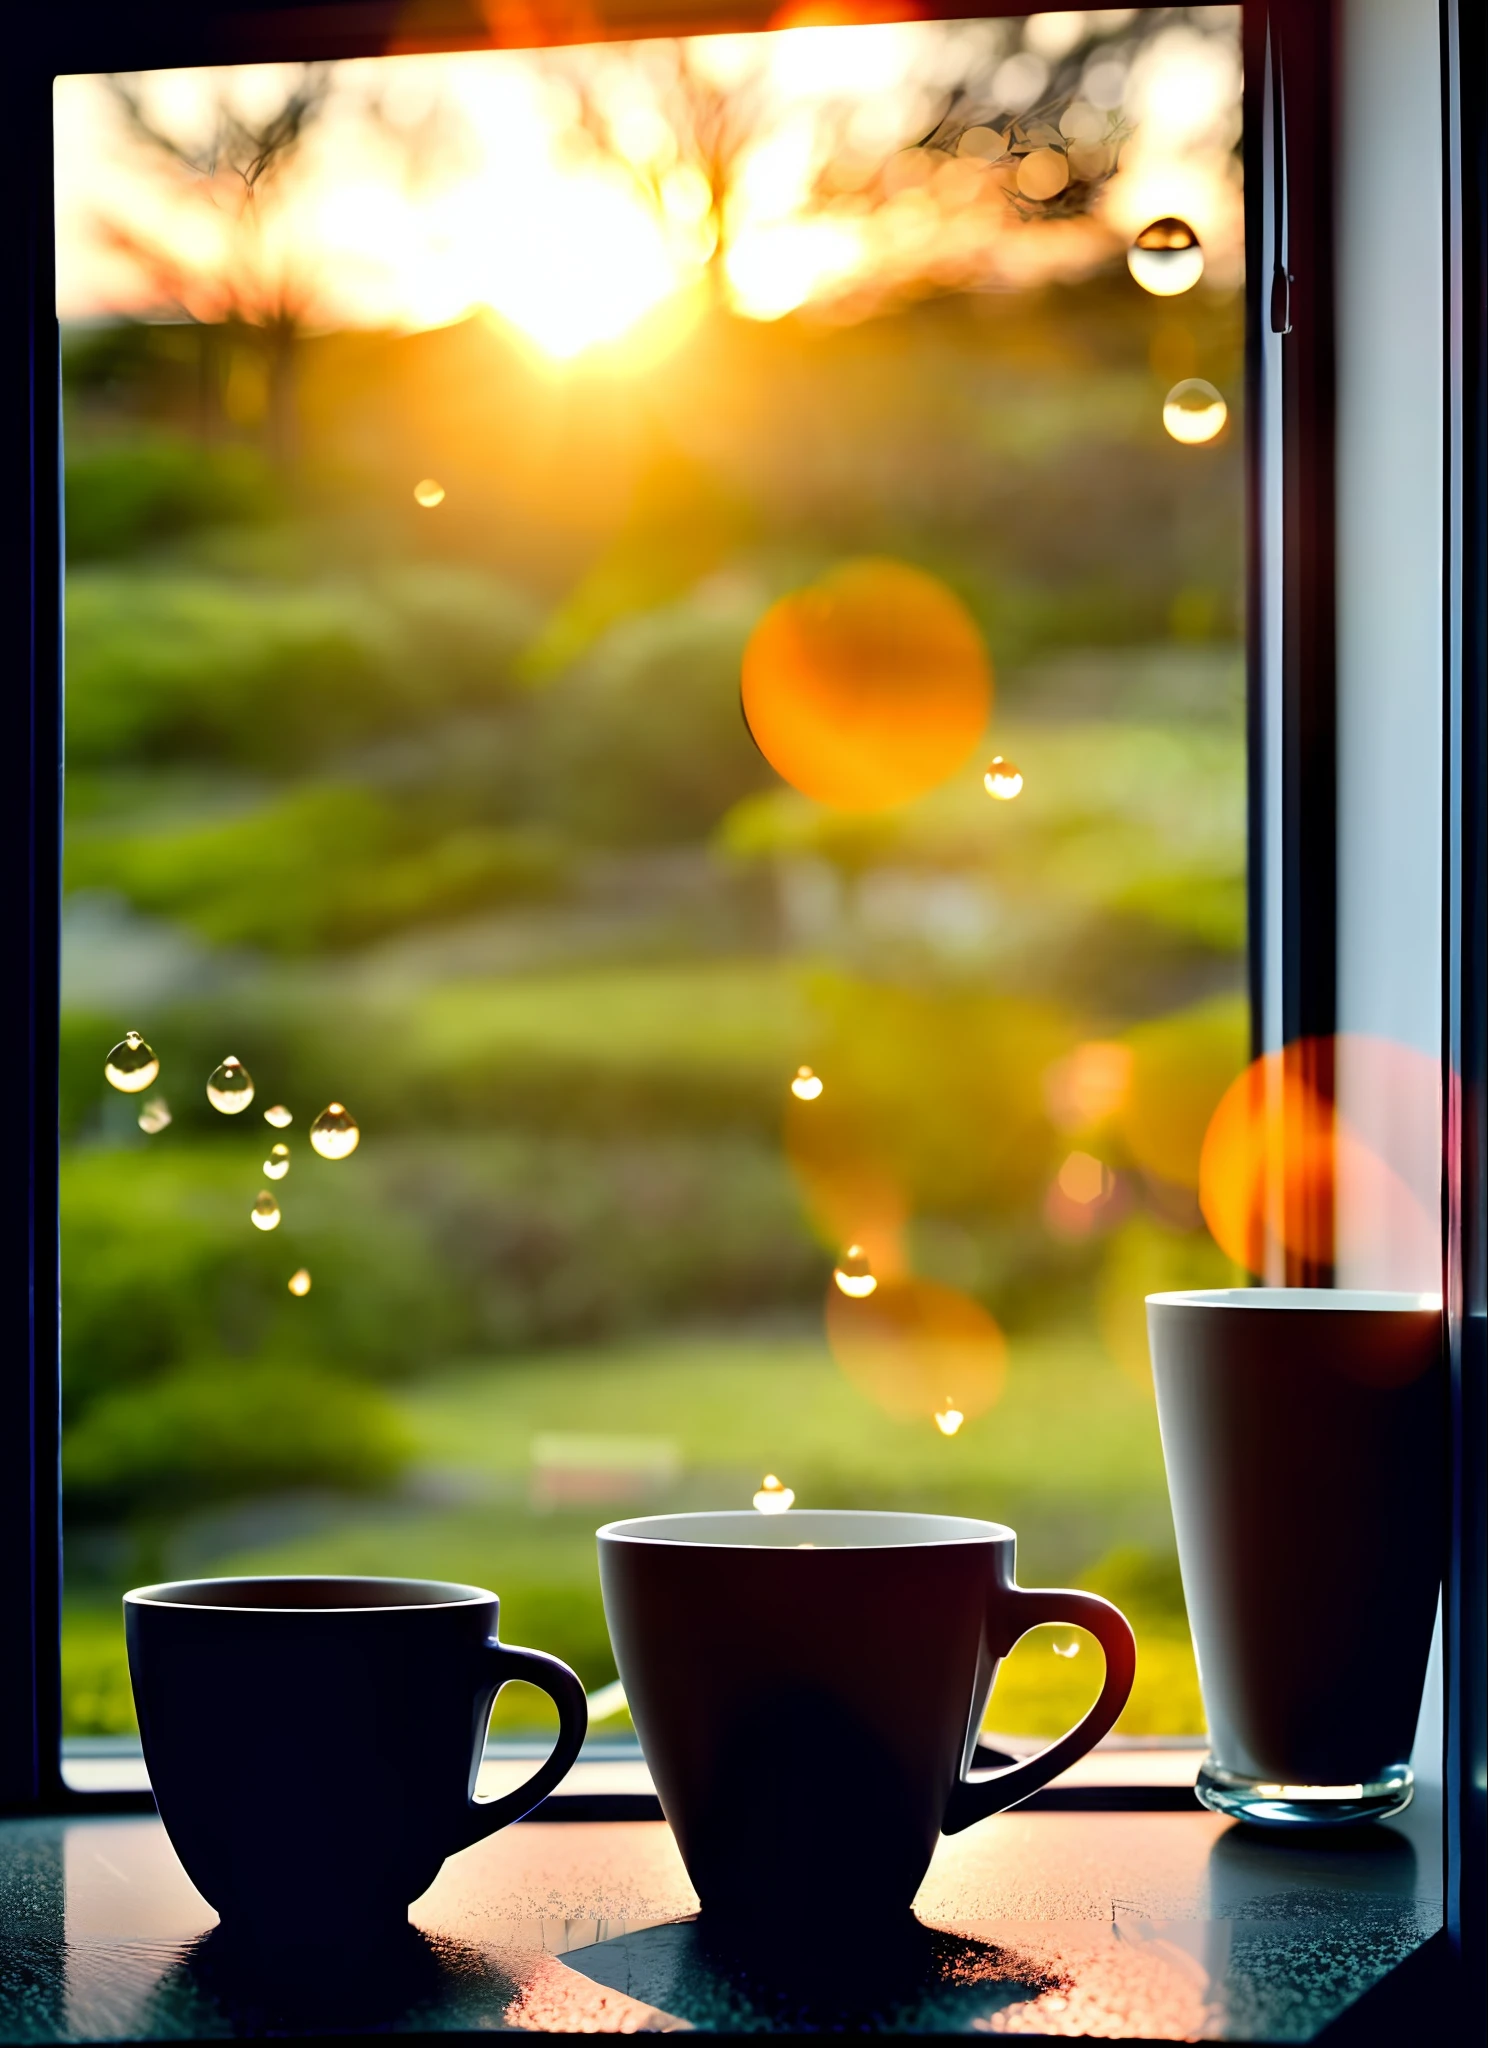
972 1799
502 1664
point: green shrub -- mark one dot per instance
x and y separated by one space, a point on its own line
96 1695
419 1250
326 866
459 628
674 1046
179 666
643 741
160 1265
563 1239
1144 1584
221 1430
681 1048
133 493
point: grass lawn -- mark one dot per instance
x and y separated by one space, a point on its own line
1070 1457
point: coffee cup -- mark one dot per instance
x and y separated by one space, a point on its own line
808 1690
313 1743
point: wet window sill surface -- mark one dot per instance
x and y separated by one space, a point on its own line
1156 1926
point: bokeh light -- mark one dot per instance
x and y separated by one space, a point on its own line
279 1116
986 145
1084 1179
299 1282
1089 1084
1080 1195
277 1163
805 1085
1180 1067
851 1192
428 492
868 687
916 1348
774 1497
1166 258
131 1065
1043 174
1320 1159
1194 412
265 1212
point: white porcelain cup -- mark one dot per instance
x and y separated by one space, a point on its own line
1303 1431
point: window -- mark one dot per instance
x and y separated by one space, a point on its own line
444 435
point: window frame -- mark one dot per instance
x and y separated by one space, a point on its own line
1292 968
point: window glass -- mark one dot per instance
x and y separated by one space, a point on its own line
654 637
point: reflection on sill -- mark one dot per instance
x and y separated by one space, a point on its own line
113 1764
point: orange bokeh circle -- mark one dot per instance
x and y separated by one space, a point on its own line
1325 1153
914 1346
868 687
849 1188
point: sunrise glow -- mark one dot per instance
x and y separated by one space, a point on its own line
437 186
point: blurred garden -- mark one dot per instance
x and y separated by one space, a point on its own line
438 802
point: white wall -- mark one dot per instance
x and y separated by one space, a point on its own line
1390 562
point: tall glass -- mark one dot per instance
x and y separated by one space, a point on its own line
1302 1430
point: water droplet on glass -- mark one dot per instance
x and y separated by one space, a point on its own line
279 1117
1003 778
131 1065
335 1133
230 1087
277 1163
1194 411
773 1498
948 1420
854 1274
1043 173
265 1211
1166 258
155 1115
299 1283
429 492
806 1086
1065 1649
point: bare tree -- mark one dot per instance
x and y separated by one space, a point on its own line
666 120
249 305
700 131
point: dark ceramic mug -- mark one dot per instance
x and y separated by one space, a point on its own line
808 1688
313 1743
